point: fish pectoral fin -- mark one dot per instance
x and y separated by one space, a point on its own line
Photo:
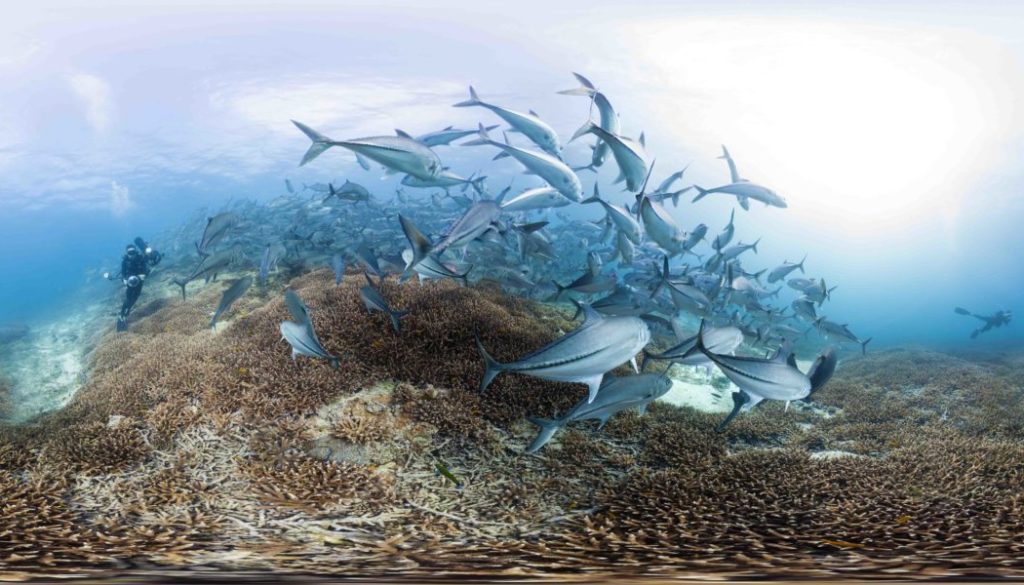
636 368
593 385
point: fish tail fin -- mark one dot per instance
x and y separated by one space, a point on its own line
464 277
586 87
482 137
559 289
547 429
320 142
589 167
801 264
864 346
180 283
395 319
586 128
474 100
596 198
739 399
754 246
491 367
645 356
701 193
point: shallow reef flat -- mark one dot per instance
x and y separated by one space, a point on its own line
191 453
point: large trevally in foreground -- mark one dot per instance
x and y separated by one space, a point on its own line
529 125
758 379
584 355
398 153
545 166
615 396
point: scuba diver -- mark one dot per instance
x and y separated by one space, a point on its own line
995 321
136 264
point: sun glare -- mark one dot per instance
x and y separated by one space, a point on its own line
868 127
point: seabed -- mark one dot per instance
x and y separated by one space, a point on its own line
173 452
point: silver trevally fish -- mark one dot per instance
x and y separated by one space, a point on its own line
722 240
338 266
444 180
783 270
232 294
587 283
734 251
303 340
629 154
430 268
374 301
529 125
446 136
584 355
840 332
217 227
349 191
616 395
480 218
208 268
537 198
545 166
758 379
296 308
803 307
625 250
744 190
619 216
718 340
609 120
397 153
300 333
660 226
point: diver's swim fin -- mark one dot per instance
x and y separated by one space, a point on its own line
122 324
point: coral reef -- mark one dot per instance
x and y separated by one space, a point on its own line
212 449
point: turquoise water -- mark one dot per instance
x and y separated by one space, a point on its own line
891 131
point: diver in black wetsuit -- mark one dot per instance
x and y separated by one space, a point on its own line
136 264
994 321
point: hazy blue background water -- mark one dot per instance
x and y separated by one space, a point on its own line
893 129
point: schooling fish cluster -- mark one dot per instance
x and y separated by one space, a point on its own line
523 241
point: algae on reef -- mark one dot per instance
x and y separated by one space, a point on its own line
192 449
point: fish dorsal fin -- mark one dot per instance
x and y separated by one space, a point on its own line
785 353
643 140
590 315
402 133
534 114
791 360
449 127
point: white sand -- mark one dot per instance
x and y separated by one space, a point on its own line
692 386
